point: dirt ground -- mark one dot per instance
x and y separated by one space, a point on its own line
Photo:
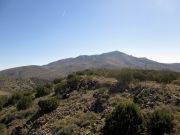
4 93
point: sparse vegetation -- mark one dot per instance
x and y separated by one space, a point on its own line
95 102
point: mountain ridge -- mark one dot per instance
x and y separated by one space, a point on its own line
109 60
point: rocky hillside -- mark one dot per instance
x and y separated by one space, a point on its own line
80 103
111 60
10 85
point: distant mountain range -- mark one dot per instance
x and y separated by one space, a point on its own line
111 60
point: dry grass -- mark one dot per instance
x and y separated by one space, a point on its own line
5 93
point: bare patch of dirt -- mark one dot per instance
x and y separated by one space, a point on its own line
4 93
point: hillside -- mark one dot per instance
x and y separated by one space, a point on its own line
9 85
111 60
83 101
25 72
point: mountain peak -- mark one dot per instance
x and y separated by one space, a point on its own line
109 60
114 52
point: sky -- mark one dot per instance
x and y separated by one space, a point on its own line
36 32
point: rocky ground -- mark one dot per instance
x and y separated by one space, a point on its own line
84 111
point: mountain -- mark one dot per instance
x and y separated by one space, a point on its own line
111 60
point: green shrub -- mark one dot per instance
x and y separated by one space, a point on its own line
42 91
124 79
57 80
166 77
139 75
19 131
160 122
3 129
8 119
15 98
87 83
48 85
61 88
177 82
126 119
73 81
48 105
1 106
24 103
3 101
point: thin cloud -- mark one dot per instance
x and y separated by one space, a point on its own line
64 13
170 5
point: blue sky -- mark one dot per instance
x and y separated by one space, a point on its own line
41 31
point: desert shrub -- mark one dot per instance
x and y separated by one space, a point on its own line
3 129
67 130
3 101
14 98
177 82
57 80
88 83
42 91
48 105
160 122
126 119
73 81
139 75
88 72
99 104
19 131
1 106
61 88
28 93
135 74
166 77
24 103
48 85
8 119
124 79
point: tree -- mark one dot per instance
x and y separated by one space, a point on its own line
160 122
126 119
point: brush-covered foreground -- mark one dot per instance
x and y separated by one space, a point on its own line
94 102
